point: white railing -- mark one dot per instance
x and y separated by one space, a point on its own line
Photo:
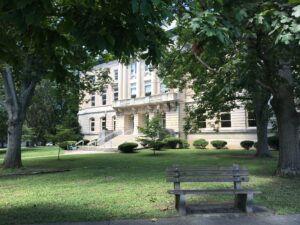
108 137
79 142
145 100
93 142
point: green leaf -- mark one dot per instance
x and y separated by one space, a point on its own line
296 12
135 6
295 28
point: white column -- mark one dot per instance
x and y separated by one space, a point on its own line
120 81
136 123
153 84
125 82
138 79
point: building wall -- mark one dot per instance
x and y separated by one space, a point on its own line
137 108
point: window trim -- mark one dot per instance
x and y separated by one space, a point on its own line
92 124
225 121
251 119
93 100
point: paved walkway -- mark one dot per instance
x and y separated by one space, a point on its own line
203 220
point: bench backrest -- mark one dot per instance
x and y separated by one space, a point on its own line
234 173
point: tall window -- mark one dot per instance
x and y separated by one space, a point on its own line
93 100
133 90
114 123
163 120
116 75
148 69
104 99
133 70
148 88
202 124
251 119
225 120
163 88
116 92
103 123
92 124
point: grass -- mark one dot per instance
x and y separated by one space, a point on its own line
115 186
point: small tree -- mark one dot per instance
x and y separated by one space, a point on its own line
154 132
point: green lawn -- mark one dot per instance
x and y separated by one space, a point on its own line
114 186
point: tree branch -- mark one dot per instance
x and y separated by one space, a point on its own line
265 86
9 87
26 94
206 65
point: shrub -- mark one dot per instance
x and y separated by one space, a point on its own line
200 143
218 144
184 144
156 145
255 145
64 145
172 142
144 142
247 144
127 147
273 142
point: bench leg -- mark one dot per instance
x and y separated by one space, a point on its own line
244 202
182 205
177 202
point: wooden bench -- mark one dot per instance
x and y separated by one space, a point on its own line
235 174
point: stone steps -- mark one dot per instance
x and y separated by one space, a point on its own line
111 145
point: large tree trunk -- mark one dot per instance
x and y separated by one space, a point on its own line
288 129
16 106
262 135
262 114
13 154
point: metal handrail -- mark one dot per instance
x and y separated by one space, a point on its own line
95 141
79 142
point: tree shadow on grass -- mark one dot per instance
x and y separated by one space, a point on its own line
49 212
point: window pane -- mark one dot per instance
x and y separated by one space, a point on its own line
148 87
93 100
163 88
116 93
116 75
104 99
251 119
133 70
226 120
202 124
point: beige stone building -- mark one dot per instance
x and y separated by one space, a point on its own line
135 94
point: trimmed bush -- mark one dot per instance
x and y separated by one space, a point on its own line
184 144
218 144
247 144
127 147
273 142
255 145
172 142
65 144
200 143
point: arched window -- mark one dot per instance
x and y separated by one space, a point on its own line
92 124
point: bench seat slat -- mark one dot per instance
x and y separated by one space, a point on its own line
207 179
218 191
206 168
208 173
